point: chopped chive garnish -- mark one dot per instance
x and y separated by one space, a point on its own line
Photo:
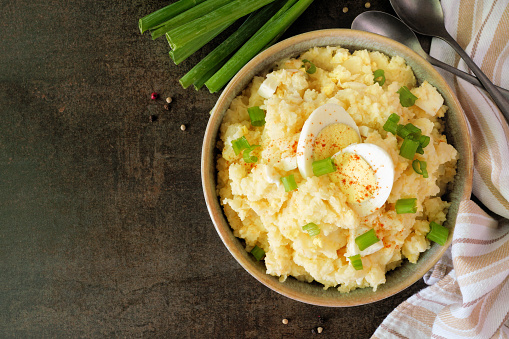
324 166
393 117
406 98
367 239
257 116
424 140
408 148
379 77
240 144
356 262
312 229
402 131
419 167
408 205
409 131
438 233
391 125
419 150
248 158
289 183
413 130
258 253
309 66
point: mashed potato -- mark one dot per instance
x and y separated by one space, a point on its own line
264 215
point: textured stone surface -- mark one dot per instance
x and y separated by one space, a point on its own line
104 230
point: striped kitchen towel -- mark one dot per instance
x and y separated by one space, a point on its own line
468 296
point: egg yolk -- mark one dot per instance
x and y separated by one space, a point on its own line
333 139
354 176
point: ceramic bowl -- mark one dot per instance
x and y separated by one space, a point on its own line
457 133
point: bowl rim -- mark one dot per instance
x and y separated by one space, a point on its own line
209 173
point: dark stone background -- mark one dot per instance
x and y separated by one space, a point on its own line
103 227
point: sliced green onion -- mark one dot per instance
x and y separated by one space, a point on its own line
406 98
230 11
413 130
391 126
356 262
367 239
190 15
438 233
248 158
240 144
324 166
257 115
263 38
289 183
393 117
166 13
402 131
404 206
419 167
409 131
379 76
258 253
209 65
309 66
408 148
312 229
419 150
424 140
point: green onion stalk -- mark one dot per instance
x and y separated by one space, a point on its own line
158 17
180 54
191 31
209 65
253 46
189 16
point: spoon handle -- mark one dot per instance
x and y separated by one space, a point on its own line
465 76
499 99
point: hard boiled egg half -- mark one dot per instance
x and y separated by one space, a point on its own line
364 172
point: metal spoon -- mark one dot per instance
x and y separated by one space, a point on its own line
426 17
391 27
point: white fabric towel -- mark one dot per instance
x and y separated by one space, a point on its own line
469 292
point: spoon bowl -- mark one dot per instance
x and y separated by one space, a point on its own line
391 27
427 17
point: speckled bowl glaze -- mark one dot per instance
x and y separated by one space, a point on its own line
457 133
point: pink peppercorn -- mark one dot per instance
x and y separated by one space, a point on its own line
154 96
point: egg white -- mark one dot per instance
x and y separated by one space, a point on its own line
321 117
383 167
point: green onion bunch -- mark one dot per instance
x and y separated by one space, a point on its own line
190 24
